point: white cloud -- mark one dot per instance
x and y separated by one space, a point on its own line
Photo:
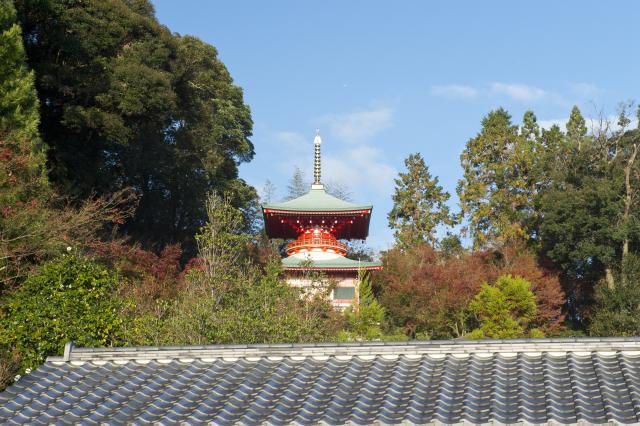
348 154
358 164
360 126
289 138
293 148
584 89
547 124
458 91
362 168
518 92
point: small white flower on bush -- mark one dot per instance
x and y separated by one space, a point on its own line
27 371
15 379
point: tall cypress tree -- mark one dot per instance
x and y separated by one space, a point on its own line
23 182
576 128
419 204
500 182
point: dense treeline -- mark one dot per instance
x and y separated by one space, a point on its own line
558 207
123 220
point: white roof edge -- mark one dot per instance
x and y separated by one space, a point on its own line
524 347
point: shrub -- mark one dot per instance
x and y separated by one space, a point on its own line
504 309
69 299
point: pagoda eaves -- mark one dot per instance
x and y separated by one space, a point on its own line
346 220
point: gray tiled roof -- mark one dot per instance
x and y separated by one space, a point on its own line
518 381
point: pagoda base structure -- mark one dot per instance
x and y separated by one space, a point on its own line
337 271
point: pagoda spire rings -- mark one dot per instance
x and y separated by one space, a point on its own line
316 163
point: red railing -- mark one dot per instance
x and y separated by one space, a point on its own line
309 243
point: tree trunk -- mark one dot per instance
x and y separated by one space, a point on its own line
609 278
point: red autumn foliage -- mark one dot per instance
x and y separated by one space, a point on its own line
149 276
545 284
195 263
424 291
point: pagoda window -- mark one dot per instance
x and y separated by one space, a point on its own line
344 293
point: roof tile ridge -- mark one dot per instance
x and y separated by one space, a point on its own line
352 349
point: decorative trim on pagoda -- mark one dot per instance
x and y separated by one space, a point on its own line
317 200
338 263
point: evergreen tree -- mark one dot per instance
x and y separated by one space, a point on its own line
23 184
366 315
419 204
576 128
127 104
298 185
229 300
19 117
23 156
530 129
589 208
556 157
268 192
499 187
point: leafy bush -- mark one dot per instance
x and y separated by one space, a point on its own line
504 309
69 299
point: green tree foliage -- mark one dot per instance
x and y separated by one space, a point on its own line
450 245
578 231
617 307
571 196
23 184
34 224
18 99
127 104
358 250
504 309
365 316
576 128
497 192
69 299
590 207
227 299
419 204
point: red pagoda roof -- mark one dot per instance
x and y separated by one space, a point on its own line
317 209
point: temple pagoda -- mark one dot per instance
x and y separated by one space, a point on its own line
316 222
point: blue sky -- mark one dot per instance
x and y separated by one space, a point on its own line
385 79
